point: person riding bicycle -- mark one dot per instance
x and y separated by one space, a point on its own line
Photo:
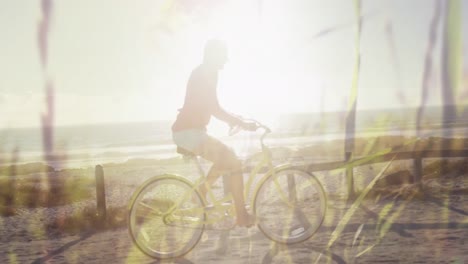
189 129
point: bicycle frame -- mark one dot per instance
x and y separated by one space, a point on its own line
221 204
186 208
266 161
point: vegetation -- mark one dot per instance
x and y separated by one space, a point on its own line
35 191
87 219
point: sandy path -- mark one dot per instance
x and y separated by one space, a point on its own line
417 236
431 231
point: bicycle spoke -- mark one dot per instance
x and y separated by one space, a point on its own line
166 217
151 208
292 188
290 206
280 192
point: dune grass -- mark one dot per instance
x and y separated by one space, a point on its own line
440 178
32 192
87 220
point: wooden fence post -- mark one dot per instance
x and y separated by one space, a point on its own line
417 163
100 194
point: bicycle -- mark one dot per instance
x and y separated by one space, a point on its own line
167 215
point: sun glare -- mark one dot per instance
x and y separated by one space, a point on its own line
269 70
267 73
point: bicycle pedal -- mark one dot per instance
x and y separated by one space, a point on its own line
297 231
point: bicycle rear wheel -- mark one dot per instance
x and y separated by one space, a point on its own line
166 217
290 206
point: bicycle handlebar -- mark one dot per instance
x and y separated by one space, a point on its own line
257 125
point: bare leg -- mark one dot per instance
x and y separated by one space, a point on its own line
225 160
212 176
236 182
237 185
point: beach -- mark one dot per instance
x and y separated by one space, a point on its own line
405 228
51 216
362 106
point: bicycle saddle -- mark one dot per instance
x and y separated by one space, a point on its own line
186 153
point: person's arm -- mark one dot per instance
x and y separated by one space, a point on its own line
225 116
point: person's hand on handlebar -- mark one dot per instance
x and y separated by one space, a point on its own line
243 125
249 125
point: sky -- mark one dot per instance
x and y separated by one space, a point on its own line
126 61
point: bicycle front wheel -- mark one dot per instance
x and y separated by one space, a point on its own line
290 206
166 217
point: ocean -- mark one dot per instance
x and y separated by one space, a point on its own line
89 145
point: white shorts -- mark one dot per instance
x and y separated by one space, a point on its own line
189 139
